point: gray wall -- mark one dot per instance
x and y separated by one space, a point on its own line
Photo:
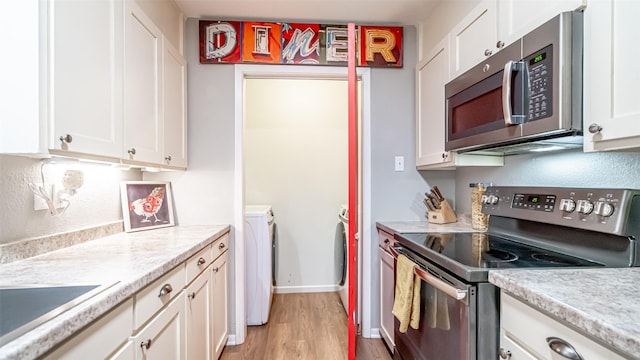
568 168
211 149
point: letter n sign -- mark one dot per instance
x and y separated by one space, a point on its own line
381 46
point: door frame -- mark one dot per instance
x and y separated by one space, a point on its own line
306 72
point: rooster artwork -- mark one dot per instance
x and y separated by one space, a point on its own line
149 205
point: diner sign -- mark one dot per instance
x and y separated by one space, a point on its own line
234 42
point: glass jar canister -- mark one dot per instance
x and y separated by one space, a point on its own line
479 220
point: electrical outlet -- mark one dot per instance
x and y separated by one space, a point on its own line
40 203
399 163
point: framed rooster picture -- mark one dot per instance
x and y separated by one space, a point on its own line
146 205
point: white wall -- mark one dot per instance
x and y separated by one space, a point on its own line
97 202
295 153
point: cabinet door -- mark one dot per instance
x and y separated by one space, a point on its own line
433 74
142 84
100 338
513 350
175 107
517 17
198 317
163 337
86 76
219 309
611 76
387 290
474 38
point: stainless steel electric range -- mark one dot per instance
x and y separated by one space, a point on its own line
529 227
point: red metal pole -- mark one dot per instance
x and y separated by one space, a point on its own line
353 187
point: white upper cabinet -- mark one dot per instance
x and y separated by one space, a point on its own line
612 109
175 107
143 130
494 24
518 17
474 38
432 75
86 76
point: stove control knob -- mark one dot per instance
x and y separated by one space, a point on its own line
490 199
567 205
604 209
585 207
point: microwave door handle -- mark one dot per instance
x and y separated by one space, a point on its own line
507 79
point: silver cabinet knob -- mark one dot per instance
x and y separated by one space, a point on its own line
595 128
145 344
504 354
166 289
500 44
202 261
67 138
488 52
132 151
221 246
191 296
168 157
215 270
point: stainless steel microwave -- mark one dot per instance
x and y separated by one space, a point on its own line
527 97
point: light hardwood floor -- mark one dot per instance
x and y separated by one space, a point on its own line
310 326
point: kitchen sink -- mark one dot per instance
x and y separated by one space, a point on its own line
22 308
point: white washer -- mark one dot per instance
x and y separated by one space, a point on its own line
343 233
259 229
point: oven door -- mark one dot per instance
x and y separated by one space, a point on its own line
447 328
486 104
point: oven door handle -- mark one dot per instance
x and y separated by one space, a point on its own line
439 284
452 291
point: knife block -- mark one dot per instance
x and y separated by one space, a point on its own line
444 215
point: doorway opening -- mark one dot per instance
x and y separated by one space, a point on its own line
248 133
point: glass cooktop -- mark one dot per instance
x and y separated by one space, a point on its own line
467 253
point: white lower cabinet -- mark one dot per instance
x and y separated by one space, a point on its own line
163 337
526 333
198 306
219 304
101 339
181 315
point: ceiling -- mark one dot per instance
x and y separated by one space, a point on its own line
361 12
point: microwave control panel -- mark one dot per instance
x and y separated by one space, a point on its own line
540 68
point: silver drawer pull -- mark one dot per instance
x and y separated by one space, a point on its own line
166 289
202 261
192 296
563 348
221 246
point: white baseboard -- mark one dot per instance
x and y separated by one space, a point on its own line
231 340
305 289
374 333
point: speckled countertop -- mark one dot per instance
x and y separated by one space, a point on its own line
129 261
462 225
602 303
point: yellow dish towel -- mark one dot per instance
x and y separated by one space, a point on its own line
406 305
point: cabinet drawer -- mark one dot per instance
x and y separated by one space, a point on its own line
163 337
153 297
198 262
220 245
529 328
